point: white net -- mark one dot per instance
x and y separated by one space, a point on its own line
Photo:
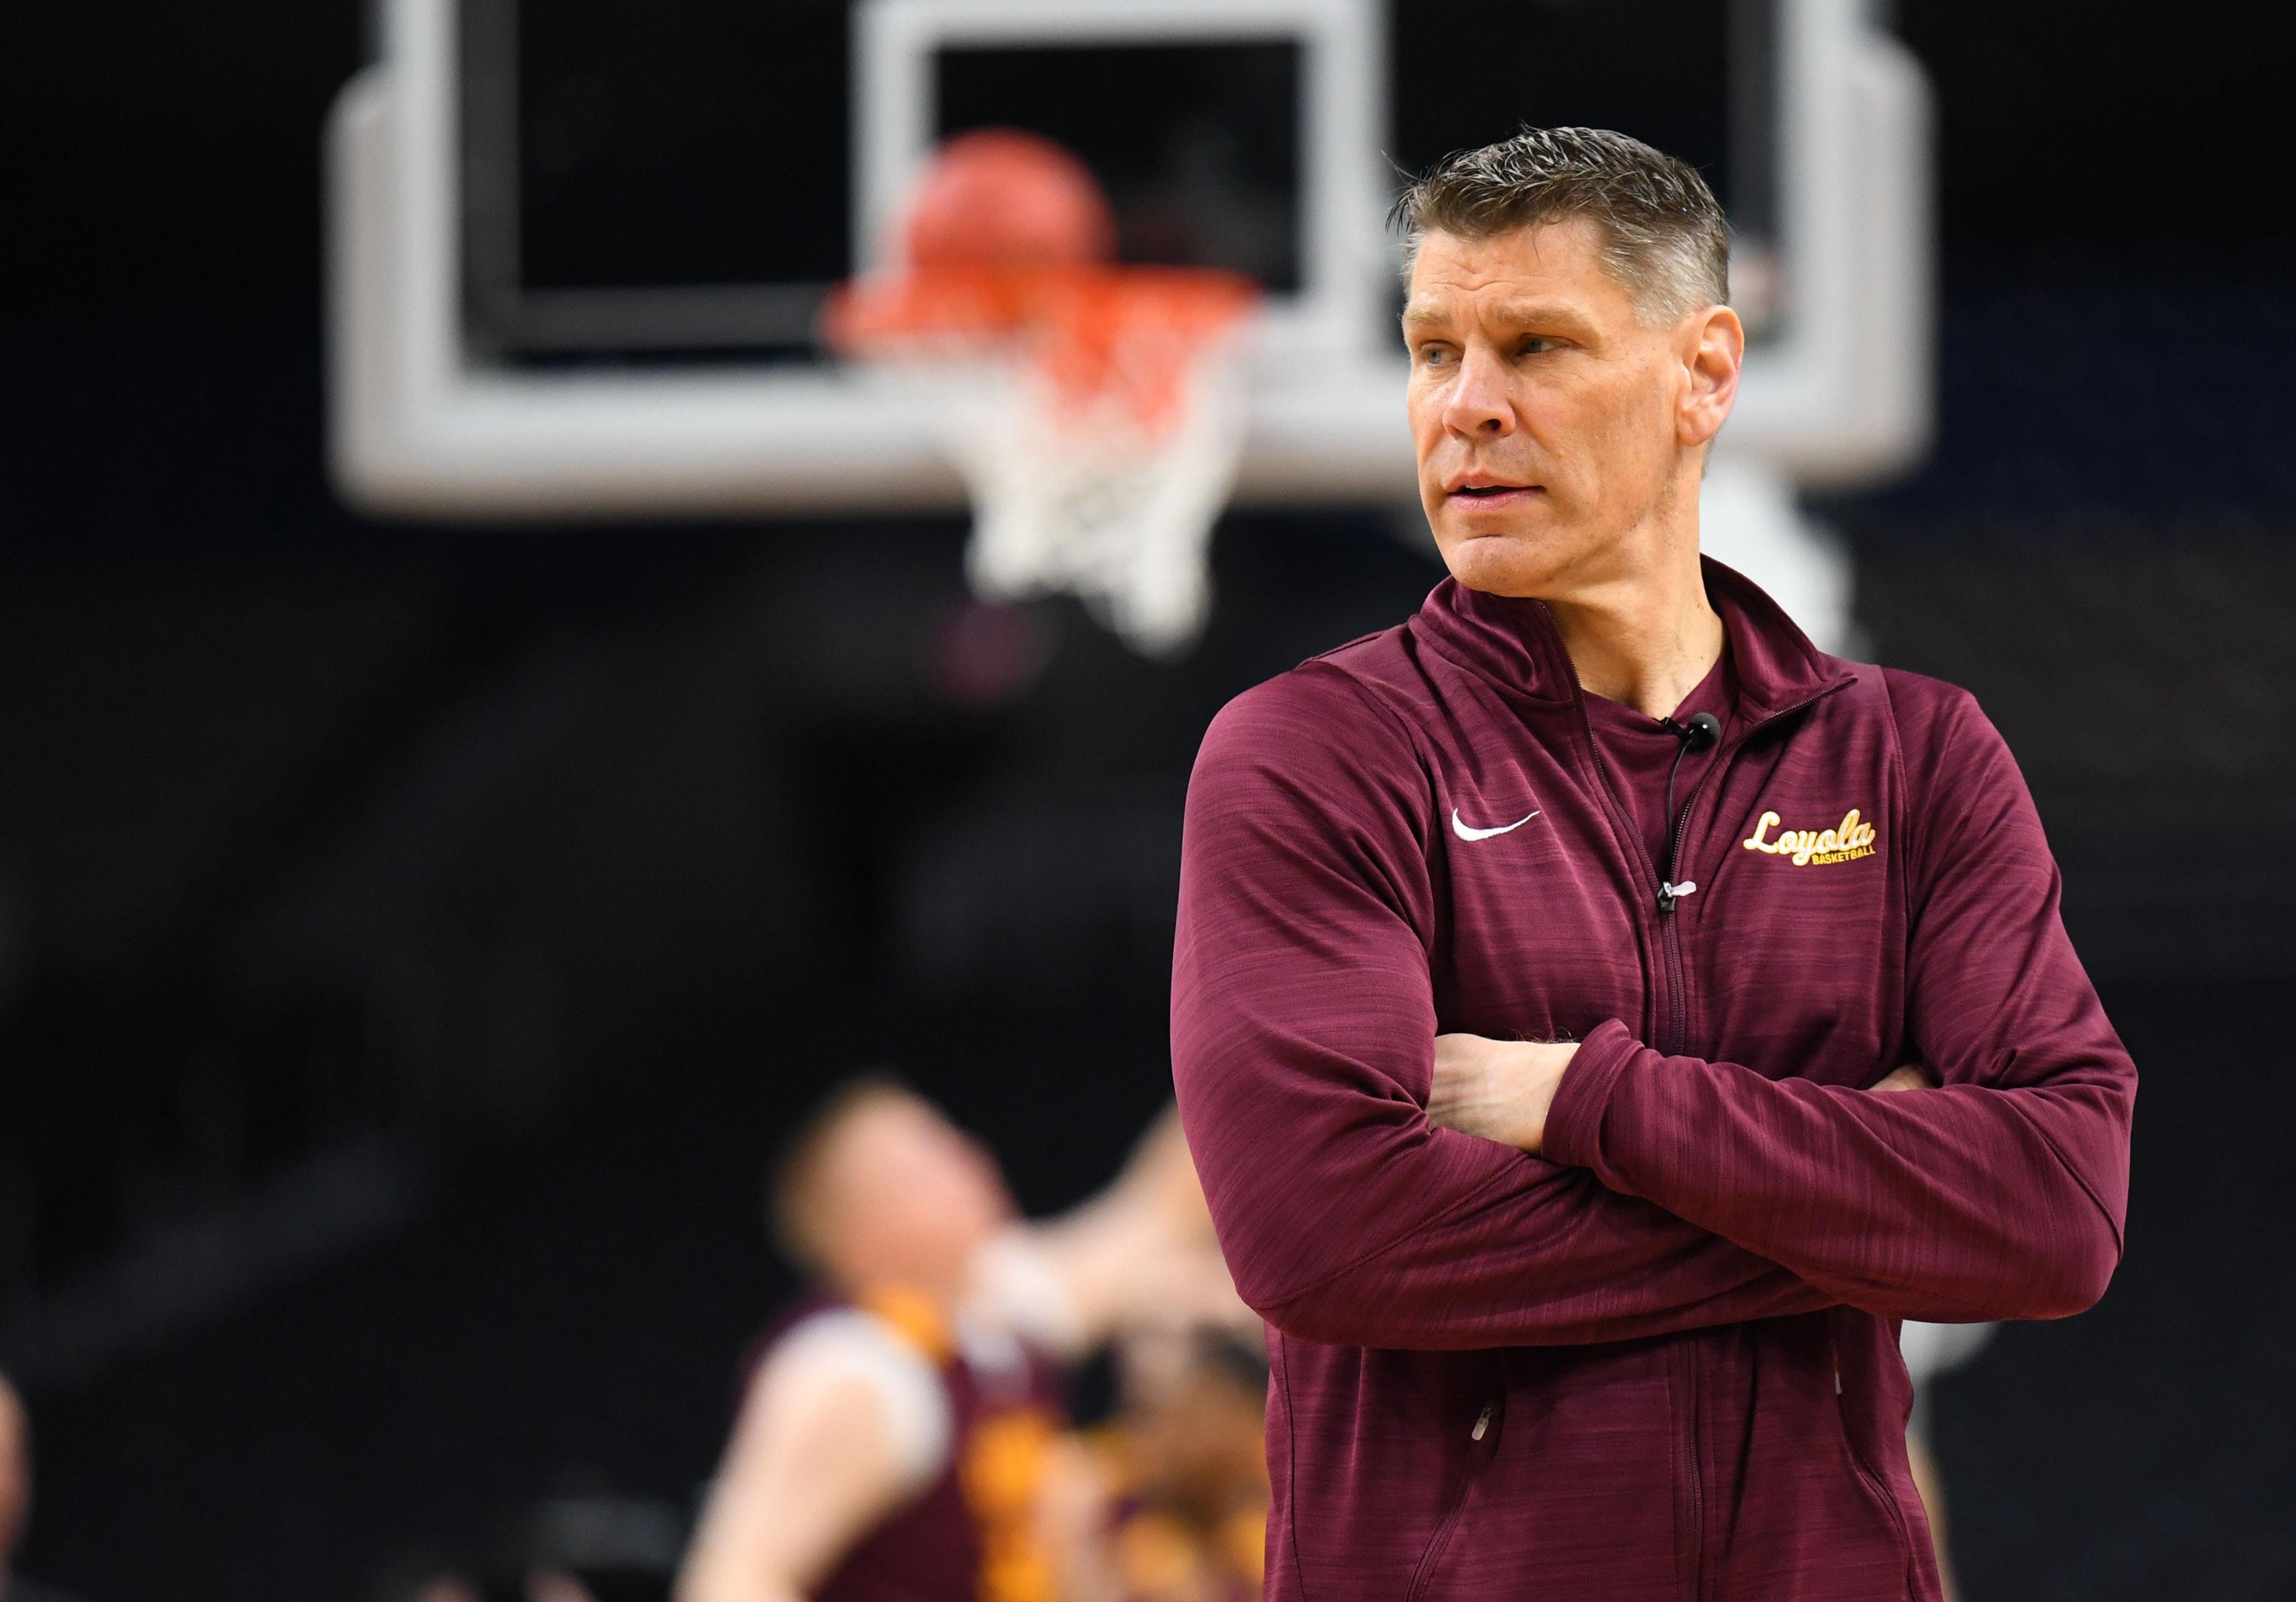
1084 495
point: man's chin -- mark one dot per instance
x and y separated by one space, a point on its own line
1498 562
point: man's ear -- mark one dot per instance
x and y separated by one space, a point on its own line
1714 351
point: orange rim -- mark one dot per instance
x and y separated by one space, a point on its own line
1093 331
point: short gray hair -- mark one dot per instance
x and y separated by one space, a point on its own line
1664 238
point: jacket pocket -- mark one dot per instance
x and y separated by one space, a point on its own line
1482 1444
1875 1485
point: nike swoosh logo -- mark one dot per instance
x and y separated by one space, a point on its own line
1465 833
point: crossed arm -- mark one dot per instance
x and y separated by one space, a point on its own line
1502 1090
1647 1194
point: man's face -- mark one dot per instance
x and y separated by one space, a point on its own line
1555 431
915 1195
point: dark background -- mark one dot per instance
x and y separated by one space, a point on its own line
412 938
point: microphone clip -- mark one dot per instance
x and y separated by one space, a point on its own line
1701 730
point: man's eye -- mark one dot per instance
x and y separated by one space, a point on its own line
1535 345
1433 356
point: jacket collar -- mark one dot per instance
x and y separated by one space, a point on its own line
1512 641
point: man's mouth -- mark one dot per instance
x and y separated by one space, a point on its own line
1489 493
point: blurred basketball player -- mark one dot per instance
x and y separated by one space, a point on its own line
899 1439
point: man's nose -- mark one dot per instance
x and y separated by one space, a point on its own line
1479 406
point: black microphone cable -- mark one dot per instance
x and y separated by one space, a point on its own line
1703 730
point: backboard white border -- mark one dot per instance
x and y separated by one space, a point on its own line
417 427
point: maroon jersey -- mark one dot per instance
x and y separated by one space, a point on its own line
968 1536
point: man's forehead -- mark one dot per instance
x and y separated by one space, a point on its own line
1506 305
1526 271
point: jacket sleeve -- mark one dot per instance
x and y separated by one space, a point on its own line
1303 1030
2000 1195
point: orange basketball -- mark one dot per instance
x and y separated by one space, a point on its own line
1000 198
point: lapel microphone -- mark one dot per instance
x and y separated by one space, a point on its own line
1701 731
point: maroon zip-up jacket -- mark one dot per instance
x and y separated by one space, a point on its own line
1658 1361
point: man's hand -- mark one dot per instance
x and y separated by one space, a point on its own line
1499 1090
1912 1076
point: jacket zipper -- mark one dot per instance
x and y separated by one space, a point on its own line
1441 1539
1670 890
1669 932
1668 939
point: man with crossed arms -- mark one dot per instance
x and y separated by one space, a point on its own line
1550 969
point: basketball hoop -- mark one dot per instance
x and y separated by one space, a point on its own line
1095 412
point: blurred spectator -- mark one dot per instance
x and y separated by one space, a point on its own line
902 1436
16 1498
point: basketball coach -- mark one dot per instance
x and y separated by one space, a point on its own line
1599 1016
